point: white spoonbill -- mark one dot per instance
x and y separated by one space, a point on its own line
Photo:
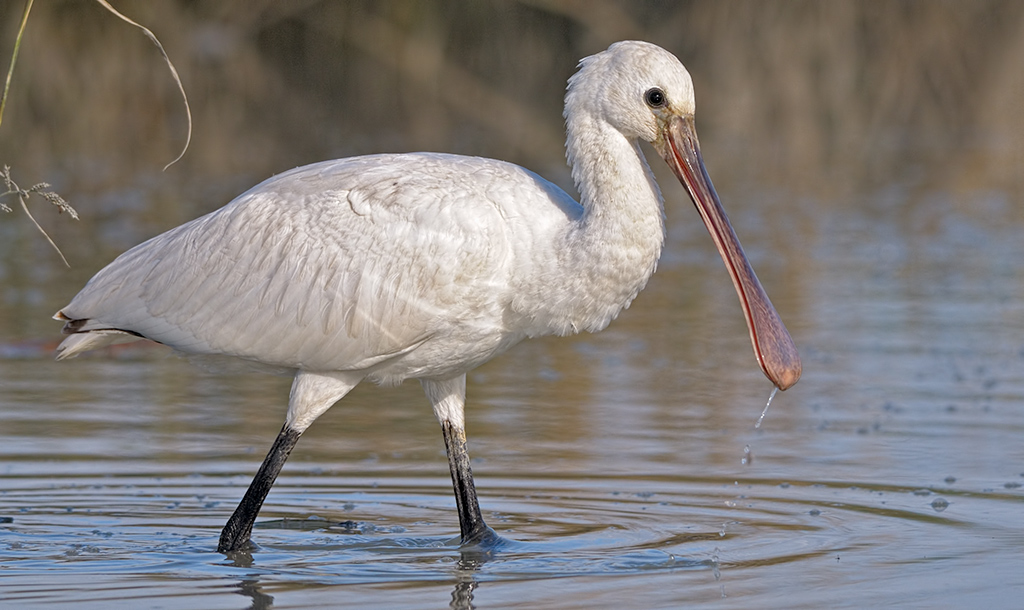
391 267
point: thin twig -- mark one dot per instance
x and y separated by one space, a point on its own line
174 73
23 194
14 58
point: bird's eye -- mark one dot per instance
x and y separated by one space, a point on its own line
655 98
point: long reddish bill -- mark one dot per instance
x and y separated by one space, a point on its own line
776 353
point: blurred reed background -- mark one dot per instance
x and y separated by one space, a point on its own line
833 102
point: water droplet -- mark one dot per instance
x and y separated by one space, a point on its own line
768 404
950 480
747 457
940 504
922 492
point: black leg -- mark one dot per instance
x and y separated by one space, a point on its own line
235 535
471 522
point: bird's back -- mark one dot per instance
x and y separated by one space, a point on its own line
392 264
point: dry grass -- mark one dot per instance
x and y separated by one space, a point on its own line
838 94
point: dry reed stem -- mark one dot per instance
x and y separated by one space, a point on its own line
14 58
170 65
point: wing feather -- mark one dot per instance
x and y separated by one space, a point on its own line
341 265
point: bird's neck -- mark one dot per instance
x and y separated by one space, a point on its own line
613 248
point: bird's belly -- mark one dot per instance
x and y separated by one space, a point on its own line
444 357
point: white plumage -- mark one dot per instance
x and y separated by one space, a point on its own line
391 267
375 264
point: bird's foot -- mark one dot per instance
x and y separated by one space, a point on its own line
483 539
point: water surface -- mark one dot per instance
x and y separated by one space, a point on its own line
891 474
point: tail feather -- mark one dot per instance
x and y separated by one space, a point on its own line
84 340
93 339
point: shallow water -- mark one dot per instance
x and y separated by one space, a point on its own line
624 467
873 175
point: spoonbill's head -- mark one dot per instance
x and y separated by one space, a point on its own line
646 94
